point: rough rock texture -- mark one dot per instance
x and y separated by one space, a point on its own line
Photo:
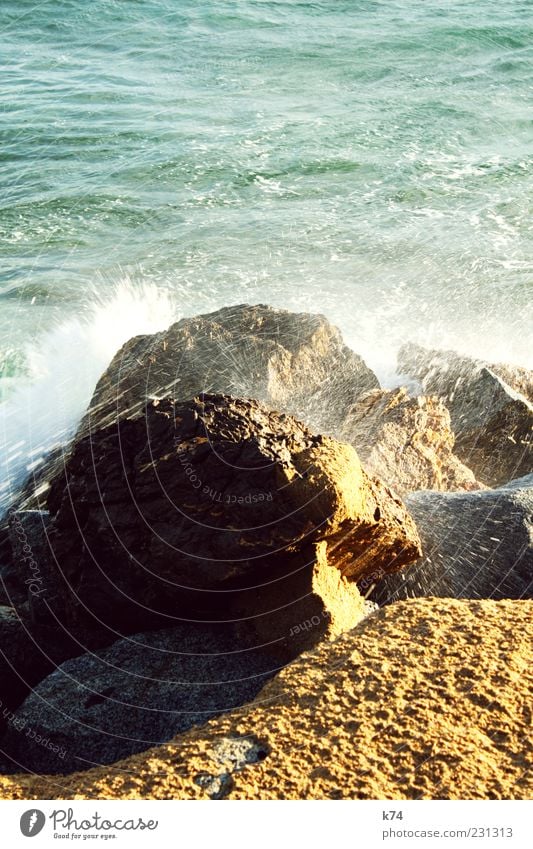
215 508
13 590
492 420
406 441
427 699
139 692
28 654
294 362
439 370
475 545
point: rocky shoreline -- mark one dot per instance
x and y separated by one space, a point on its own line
241 491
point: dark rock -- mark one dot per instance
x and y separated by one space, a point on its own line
492 421
198 508
28 532
13 590
137 693
27 655
406 441
440 371
476 545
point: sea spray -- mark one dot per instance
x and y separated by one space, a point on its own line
63 367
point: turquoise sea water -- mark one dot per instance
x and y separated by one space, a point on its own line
368 160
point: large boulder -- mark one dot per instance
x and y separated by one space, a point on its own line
294 362
406 441
475 545
427 699
214 508
139 692
491 418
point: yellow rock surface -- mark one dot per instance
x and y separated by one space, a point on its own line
428 698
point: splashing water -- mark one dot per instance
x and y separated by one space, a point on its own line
63 368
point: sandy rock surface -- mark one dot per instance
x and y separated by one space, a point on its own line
406 441
429 698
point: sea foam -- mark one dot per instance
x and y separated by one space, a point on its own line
63 367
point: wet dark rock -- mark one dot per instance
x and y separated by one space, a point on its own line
476 545
31 558
13 590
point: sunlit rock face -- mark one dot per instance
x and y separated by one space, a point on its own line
490 407
406 441
475 545
295 363
216 508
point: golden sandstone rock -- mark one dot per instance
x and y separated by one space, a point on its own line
490 406
406 441
428 698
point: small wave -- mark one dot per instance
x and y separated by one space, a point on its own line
63 367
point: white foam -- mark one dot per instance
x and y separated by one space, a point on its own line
64 367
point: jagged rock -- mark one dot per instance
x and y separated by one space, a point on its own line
439 371
406 441
138 692
475 545
294 362
426 699
492 421
215 508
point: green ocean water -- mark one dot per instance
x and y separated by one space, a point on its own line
368 160
371 160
